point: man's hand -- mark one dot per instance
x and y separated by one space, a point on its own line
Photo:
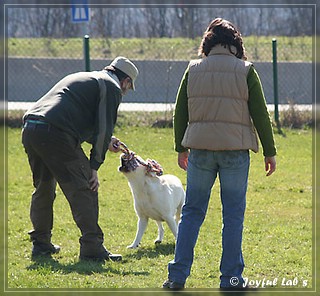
94 182
270 165
183 160
114 145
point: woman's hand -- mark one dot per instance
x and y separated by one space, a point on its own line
183 160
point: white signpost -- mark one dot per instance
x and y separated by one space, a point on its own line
81 14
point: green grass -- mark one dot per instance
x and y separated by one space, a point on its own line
277 234
258 48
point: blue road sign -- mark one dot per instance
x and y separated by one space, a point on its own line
80 11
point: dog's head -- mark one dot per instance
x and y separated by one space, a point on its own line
129 162
132 163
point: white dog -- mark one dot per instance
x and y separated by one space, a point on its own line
156 196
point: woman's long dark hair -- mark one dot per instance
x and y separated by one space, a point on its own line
222 32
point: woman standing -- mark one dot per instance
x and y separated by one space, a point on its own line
220 105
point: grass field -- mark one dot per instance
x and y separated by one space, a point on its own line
277 234
258 48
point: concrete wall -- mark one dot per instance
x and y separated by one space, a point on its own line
29 79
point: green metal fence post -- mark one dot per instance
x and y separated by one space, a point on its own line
275 84
86 52
275 79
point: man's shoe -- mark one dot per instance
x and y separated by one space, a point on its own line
105 256
44 249
168 284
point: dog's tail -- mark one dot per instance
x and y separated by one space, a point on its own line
179 210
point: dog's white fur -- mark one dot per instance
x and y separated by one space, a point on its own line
158 198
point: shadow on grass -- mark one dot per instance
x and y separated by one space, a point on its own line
152 252
49 264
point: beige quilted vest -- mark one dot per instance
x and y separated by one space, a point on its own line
218 104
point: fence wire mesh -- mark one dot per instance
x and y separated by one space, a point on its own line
38 63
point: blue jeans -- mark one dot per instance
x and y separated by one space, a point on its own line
203 168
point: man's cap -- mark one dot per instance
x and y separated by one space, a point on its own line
127 67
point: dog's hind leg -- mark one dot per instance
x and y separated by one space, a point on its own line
160 233
178 214
172 225
142 225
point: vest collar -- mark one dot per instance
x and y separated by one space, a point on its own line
220 49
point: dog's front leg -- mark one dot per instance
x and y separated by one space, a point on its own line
141 227
160 233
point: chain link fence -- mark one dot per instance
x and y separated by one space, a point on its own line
34 65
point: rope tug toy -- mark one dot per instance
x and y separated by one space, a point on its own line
152 165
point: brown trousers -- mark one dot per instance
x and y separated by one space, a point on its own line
56 157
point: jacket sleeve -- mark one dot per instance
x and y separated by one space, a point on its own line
259 113
105 121
181 114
